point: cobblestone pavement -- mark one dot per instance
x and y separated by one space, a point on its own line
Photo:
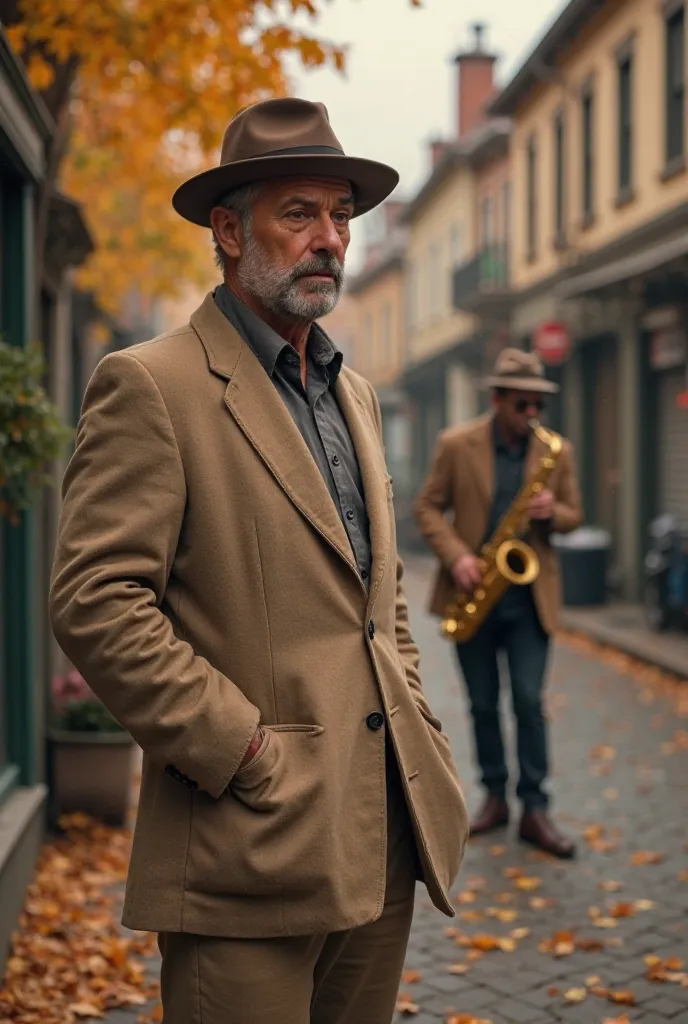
620 777
620 786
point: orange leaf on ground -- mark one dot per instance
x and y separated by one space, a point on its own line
465 1018
459 968
526 882
541 902
611 886
575 995
410 976
625 998
623 1019
85 1010
642 857
406 1005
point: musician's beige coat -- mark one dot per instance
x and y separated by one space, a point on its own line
204 582
461 481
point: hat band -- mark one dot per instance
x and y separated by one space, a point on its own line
315 150
507 374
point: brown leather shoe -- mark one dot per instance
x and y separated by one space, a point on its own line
493 814
538 829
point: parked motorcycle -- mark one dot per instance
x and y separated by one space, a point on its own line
666 575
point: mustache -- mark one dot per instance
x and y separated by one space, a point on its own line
325 263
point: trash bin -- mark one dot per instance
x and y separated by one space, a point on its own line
584 560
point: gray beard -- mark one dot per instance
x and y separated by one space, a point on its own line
280 291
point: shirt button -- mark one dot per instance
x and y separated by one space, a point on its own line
371 629
350 514
364 574
375 721
335 460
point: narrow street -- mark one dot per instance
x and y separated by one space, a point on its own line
601 940
620 756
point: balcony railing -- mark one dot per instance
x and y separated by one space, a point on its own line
485 276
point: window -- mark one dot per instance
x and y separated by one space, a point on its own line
625 170
531 190
486 223
675 86
506 211
588 116
411 297
559 177
456 245
434 281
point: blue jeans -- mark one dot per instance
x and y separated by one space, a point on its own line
514 628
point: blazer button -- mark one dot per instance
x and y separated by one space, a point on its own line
375 721
371 629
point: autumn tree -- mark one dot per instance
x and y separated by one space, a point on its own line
141 92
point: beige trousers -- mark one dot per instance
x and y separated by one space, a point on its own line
349 977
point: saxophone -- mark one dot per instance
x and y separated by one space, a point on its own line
507 560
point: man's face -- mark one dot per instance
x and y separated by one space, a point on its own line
515 409
291 248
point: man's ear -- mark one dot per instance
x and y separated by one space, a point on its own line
226 225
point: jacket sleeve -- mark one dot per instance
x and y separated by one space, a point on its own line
123 504
432 502
568 508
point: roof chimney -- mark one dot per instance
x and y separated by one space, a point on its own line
475 82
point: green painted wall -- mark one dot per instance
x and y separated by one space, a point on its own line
19 575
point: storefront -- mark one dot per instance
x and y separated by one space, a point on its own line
667 372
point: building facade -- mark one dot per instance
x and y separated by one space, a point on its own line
599 244
445 337
30 310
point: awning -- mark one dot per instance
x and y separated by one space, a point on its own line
624 268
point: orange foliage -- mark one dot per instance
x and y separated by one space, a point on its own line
157 83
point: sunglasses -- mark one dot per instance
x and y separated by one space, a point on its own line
522 404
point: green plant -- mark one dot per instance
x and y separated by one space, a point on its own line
31 431
77 709
87 716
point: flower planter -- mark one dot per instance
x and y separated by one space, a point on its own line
92 772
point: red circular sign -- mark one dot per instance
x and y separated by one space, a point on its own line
552 342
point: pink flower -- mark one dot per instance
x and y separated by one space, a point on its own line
71 686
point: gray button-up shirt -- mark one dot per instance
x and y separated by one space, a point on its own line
315 411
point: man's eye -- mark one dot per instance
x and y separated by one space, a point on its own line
342 218
296 214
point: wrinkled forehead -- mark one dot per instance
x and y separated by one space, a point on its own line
321 191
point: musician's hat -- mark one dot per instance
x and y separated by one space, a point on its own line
520 371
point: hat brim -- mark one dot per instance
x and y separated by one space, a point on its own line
372 182
522 384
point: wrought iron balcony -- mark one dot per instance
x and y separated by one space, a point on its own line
484 280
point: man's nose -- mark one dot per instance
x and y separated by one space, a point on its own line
326 236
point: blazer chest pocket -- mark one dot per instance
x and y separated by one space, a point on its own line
269 832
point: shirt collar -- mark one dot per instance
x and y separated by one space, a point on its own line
501 445
266 344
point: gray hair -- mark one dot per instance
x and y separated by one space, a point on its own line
241 200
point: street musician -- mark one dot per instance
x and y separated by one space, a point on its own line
491 473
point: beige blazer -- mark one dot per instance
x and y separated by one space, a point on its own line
461 481
204 583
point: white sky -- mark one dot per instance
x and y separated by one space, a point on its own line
400 85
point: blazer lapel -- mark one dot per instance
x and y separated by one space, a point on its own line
261 414
371 462
481 449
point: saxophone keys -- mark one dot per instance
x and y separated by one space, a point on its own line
471 608
479 594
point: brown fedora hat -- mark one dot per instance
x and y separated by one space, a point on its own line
280 139
520 371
